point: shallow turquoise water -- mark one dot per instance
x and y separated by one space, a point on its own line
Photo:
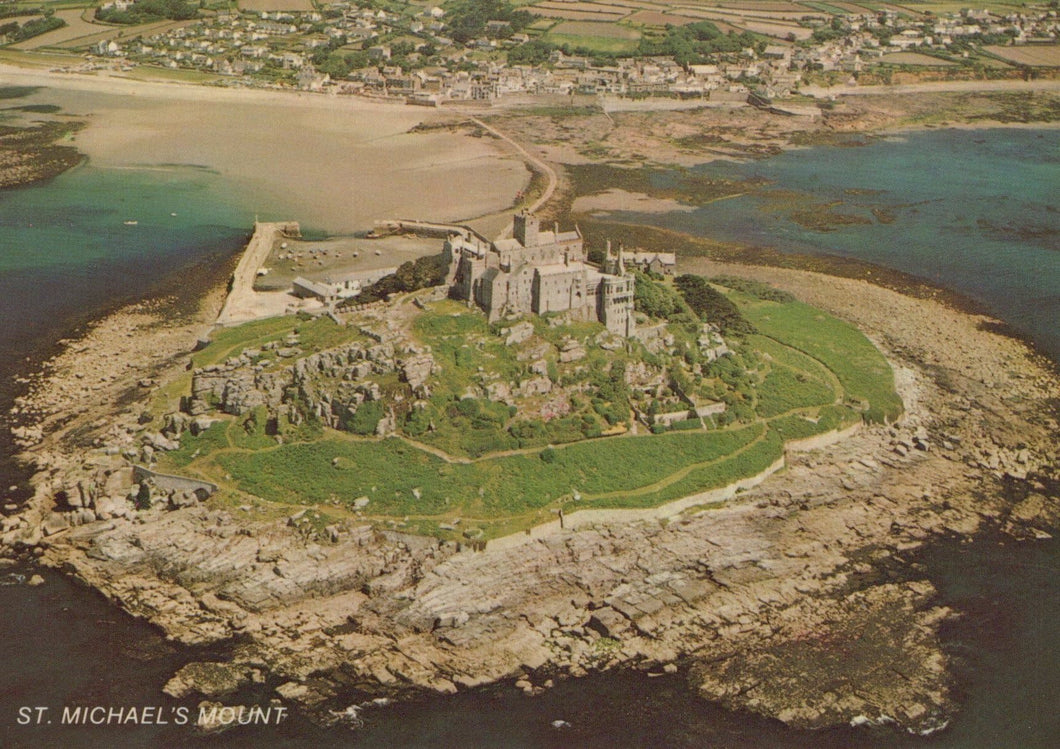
66 251
974 211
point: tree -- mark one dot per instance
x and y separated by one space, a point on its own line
143 497
712 306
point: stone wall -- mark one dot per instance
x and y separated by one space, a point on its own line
169 483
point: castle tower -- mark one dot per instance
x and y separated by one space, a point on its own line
526 229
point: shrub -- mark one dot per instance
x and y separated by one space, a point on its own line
752 288
367 417
143 497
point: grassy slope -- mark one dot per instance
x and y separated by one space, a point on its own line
867 379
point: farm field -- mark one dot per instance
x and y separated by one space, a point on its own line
765 5
774 18
914 58
655 18
303 6
75 27
1044 55
601 37
81 34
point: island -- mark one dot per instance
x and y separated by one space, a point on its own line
520 447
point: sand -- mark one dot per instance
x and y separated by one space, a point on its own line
616 199
332 163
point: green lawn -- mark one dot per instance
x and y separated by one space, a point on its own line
865 375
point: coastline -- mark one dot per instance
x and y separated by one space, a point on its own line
727 595
862 470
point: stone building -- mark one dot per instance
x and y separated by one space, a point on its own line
540 271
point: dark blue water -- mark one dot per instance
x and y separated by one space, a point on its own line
973 211
66 253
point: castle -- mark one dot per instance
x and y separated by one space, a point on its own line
540 271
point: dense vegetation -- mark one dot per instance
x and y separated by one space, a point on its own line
755 289
31 28
697 43
713 306
413 275
339 63
658 300
146 11
467 19
533 52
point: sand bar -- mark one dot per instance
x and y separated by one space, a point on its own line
332 163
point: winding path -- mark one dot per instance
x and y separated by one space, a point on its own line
538 163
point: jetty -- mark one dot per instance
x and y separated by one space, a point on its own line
241 295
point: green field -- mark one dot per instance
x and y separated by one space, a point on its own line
867 379
388 471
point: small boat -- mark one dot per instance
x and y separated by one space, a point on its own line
172 214
131 223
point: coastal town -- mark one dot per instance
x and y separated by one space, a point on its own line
483 53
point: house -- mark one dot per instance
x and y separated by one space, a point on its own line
379 52
662 263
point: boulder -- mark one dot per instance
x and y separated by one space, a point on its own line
571 351
200 424
207 678
535 386
55 523
519 333
416 369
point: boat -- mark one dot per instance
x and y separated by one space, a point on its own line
131 223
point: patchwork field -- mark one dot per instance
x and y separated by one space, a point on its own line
80 34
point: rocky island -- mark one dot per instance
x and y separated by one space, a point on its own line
733 494
379 584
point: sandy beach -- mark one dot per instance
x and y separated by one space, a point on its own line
320 160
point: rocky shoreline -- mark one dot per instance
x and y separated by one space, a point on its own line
775 603
30 154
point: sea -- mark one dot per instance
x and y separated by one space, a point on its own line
74 247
